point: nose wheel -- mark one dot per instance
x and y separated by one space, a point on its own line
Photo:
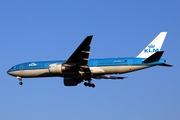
20 80
20 83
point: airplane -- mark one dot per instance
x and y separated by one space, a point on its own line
79 68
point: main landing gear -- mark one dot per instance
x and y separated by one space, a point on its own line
89 84
20 80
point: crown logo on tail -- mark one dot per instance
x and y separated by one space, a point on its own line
151 46
151 49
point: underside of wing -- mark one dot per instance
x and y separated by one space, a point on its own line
109 77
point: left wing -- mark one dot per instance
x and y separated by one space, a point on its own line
80 58
81 54
78 68
78 62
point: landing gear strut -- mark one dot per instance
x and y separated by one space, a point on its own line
20 80
89 84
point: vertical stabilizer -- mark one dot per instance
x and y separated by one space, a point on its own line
154 46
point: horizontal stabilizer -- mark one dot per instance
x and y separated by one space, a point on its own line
155 57
165 65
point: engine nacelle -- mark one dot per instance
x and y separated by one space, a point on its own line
55 68
59 68
71 81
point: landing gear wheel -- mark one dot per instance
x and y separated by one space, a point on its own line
86 84
93 85
89 84
20 83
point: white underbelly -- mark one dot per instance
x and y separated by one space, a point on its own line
33 73
115 69
94 70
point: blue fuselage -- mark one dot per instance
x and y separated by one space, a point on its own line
97 66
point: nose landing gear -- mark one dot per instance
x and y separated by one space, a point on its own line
20 80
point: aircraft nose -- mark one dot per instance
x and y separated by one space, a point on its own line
13 72
8 72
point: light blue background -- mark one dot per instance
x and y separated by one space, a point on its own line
32 30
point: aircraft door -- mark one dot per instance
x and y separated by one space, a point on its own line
129 62
21 68
129 65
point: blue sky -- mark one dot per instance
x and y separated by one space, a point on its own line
32 30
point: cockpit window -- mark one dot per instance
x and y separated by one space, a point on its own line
13 67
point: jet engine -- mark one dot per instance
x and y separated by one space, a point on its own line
57 68
72 81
